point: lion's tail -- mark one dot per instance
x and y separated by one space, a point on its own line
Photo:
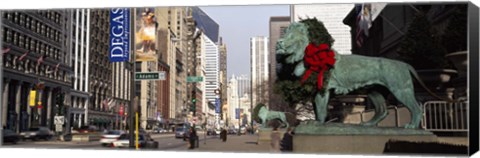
414 73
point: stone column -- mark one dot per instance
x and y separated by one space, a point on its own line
5 91
18 94
79 120
49 108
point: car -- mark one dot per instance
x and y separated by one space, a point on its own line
210 132
159 130
243 130
144 141
86 129
181 132
10 136
110 137
231 131
37 133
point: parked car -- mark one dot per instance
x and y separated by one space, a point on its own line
243 130
110 137
232 131
10 136
159 130
37 133
144 141
181 132
86 129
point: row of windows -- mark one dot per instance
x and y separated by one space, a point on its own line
30 67
34 25
25 42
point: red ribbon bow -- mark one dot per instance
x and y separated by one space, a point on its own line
318 59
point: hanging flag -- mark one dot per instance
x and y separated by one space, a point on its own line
56 67
40 60
5 51
23 56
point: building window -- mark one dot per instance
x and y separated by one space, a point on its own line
15 38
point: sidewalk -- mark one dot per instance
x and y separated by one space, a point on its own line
234 143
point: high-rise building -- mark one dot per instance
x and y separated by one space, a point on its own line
36 56
208 58
223 77
100 70
244 85
332 16
278 25
259 69
80 59
176 29
233 100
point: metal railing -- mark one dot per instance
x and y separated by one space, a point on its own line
442 116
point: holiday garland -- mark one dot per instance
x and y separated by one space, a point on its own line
318 57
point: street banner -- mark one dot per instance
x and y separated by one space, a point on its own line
119 35
237 113
217 105
33 94
145 35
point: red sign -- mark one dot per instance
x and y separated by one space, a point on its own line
121 110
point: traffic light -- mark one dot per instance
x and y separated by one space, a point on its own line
59 101
193 107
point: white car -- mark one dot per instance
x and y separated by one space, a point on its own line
145 141
110 137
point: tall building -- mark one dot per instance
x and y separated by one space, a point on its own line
208 58
100 70
332 16
34 42
233 100
223 77
277 29
244 85
259 69
80 59
177 28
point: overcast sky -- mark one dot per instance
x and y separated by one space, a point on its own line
237 25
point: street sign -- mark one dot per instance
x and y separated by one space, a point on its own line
58 128
59 120
150 75
194 79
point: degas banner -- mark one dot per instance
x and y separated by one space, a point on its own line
145 31
119 34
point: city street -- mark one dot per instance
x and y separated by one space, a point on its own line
167 142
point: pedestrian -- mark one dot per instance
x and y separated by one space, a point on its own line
223 135
192 137
287 141
275 140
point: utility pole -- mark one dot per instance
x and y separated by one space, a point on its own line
131 108
1 86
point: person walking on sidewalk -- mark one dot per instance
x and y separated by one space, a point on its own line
275 140
223 135
287 141
192 137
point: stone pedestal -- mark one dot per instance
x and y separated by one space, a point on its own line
264 135
352 139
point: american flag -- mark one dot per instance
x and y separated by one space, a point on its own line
23 56
363 22
5 51
40 60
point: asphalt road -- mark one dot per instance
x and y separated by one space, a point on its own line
167 142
